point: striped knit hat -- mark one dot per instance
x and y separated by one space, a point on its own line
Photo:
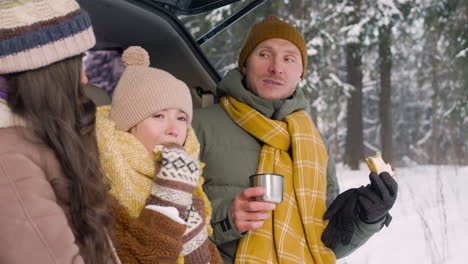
37 33
143 91
272 27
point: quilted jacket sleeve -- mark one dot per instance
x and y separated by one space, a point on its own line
362 231
34 227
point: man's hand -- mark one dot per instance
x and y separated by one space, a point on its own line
342 214
247 213
377 198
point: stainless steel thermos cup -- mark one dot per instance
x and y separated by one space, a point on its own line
273 184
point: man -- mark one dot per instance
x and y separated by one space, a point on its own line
260 126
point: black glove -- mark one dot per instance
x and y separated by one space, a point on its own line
377 198
342 214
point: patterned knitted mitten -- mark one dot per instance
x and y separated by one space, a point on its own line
175 181
196 248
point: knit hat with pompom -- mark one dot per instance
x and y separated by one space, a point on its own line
143 91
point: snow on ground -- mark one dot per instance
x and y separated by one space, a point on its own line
430 217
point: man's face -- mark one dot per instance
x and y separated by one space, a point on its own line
273 69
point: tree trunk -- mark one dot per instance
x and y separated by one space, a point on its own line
435 101
335 143
385 66
454 147
354 149
354 135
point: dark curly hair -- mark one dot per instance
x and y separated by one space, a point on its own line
52 102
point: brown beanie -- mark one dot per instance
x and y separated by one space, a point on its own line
142 91
272 27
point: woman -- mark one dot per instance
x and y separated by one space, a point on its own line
52 194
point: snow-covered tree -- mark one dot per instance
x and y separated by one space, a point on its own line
413 54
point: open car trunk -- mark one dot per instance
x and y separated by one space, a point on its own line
153 24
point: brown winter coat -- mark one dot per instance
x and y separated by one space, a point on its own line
33 225
151 238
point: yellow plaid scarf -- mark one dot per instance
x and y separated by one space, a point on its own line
129 168
292 234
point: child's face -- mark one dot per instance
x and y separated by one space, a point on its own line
167 126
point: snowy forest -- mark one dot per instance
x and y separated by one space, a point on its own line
386 76
383 75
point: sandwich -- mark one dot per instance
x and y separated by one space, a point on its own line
377 164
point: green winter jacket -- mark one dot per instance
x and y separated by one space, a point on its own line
231 156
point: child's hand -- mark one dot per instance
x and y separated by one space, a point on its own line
178 165
157 150
168 145
176 179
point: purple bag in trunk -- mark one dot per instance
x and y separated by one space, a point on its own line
3 88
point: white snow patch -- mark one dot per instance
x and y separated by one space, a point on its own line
430 220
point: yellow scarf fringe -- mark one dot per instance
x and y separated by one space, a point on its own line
293 233
129 168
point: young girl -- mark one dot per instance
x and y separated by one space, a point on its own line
149 155
53 198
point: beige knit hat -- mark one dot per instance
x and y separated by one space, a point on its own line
272 27
143 91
